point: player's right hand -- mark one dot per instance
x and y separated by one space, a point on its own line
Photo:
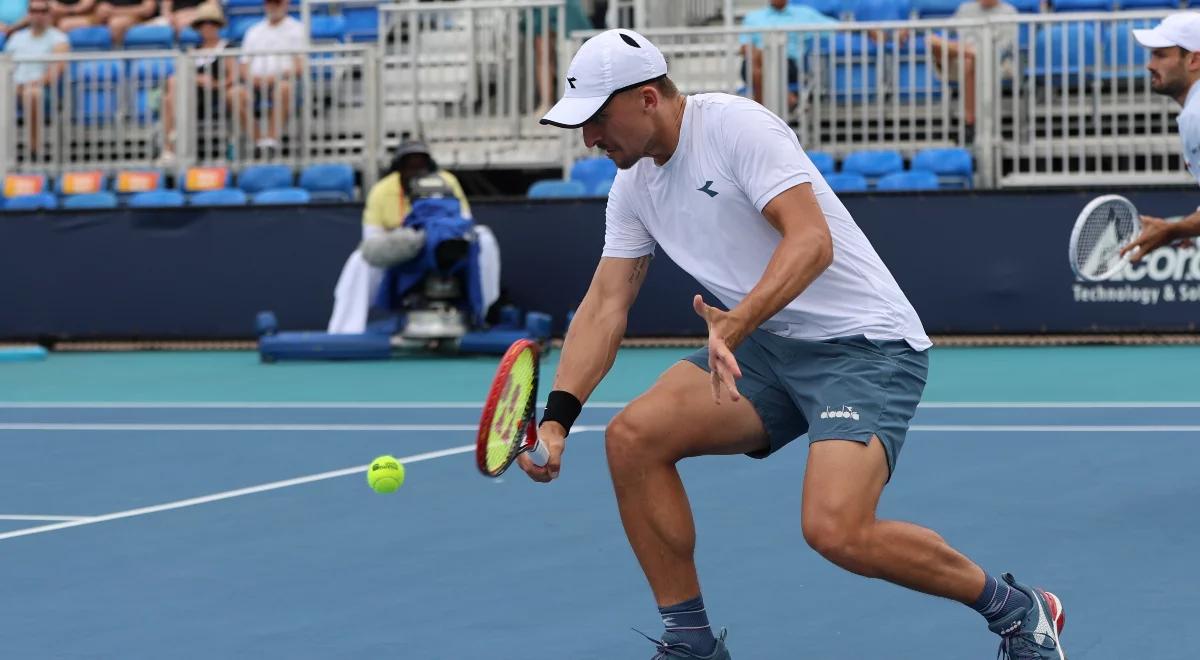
554 436
1156 233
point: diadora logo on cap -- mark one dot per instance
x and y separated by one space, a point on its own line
571 82
847 412
706 190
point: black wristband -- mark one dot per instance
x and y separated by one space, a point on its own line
562 407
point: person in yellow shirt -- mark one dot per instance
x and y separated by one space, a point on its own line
388 205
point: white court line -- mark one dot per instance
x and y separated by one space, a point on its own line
338 428
466 405
229 494
38 517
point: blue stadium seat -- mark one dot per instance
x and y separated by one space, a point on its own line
362 23
913 180
1081 5
1124 57
1147 4
873 164
328 28
830 8
222 197
601 189
96 200
258 178
283 196
846 182
592 171
189 37
152 71
43 200
1078 42
855 81
149 37
548 188
823 162
156 198
335 178
97 106
238 25
96 70
242 6
936 8
881 10
1027 6
95 37
952 165
918 81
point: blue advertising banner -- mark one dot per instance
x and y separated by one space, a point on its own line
970 262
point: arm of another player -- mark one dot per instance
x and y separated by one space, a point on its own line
1157 232
590 347
805 250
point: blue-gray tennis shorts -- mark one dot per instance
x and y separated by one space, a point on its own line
848 388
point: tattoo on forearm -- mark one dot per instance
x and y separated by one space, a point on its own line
639 269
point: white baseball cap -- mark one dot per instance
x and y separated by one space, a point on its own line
1182 29
606 64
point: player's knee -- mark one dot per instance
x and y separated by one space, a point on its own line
841 542
628 439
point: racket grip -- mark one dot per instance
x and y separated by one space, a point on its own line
539 453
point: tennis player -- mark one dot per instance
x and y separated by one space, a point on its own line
818 339
1174 68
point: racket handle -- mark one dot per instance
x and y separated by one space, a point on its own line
539 453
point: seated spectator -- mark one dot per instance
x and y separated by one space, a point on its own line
12 15
120 15
38 40
270 76
216 77
180 14
1005 42
778 13
71 14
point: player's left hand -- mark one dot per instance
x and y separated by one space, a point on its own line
1156 233
722 333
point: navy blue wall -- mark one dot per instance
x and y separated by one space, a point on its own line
970 262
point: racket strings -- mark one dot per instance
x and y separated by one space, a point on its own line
1108 228
506 433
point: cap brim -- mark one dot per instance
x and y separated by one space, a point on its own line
573 112
1152 39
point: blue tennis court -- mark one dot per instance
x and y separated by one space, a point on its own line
200 505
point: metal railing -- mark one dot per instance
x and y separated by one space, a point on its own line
110 110
1058 99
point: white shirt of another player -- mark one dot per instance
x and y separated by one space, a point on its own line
704 208
1189 130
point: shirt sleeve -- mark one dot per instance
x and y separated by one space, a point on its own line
762 153
625 235
463 204
373 210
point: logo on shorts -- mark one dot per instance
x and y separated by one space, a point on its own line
847 412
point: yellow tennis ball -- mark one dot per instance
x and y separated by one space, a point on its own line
386 474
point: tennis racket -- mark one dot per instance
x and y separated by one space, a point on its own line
506 427
1105 226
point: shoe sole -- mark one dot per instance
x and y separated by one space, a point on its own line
1059 615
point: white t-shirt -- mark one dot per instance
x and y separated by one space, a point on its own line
1189 130
704 207
287 34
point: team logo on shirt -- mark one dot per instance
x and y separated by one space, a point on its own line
706 190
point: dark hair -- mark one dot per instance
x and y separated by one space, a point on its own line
666 87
